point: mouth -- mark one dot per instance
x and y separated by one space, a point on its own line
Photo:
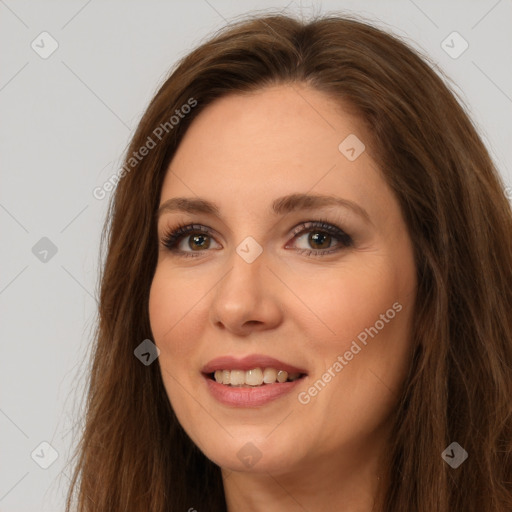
250 396
252 371
256 377
252 381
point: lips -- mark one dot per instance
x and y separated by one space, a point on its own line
249 363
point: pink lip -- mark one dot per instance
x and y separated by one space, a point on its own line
248 363
249 397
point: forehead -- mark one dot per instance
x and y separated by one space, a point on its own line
272 142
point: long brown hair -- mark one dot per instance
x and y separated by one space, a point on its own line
134 455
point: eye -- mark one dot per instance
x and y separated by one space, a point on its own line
190 240
198 239
320 236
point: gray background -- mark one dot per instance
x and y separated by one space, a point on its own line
66 121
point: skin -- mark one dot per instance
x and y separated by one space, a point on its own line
242 152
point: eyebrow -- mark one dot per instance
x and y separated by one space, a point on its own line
280 206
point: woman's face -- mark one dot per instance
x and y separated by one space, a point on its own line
325 288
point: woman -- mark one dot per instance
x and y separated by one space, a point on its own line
307 291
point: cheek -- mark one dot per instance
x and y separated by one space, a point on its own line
172 303
362 314
343 303
174 307
369 313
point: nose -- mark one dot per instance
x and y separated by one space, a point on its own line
249 297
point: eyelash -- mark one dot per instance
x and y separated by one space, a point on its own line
172 237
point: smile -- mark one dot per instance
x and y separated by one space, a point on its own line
247 395
254 377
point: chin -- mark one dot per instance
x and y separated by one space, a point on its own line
248 456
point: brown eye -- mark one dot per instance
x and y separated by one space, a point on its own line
320 238
189 239
199 242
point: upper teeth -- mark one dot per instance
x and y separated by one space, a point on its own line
254 377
